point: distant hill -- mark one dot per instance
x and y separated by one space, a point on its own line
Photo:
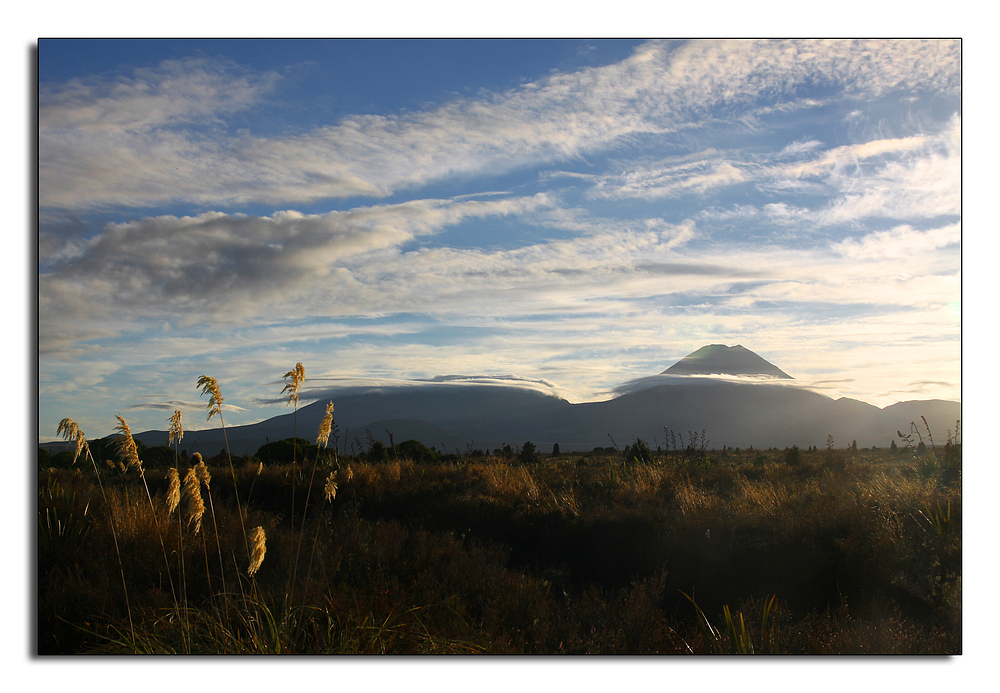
765 410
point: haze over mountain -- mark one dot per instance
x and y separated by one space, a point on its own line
750 402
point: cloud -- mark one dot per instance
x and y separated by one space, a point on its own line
148 138
224 267
909 177
800 147
691 174
900 242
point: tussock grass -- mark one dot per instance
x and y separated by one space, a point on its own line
693 550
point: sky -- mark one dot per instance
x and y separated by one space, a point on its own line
569 215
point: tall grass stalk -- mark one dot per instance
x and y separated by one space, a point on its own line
69 430
209 386
129 456
295 378
206 478
322 438
173 504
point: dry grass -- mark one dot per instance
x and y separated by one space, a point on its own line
863 553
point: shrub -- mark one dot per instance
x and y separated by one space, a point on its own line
528 454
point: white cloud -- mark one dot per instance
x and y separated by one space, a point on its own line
692 174
125 142
900 242
800 147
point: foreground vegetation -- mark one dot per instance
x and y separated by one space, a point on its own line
626 552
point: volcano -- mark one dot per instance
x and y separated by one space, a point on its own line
739 398
719 359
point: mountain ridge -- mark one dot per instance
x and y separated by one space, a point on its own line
759 408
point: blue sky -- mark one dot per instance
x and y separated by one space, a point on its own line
574 213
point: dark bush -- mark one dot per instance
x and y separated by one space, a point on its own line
415 451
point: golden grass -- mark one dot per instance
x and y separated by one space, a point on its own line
69 430
330 488
258 542
201 470
192 505
323 436
176 433
174 492
691 499
296 377
125 445
209 386
130 512
512 484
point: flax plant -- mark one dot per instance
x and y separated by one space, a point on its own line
69 430
735 639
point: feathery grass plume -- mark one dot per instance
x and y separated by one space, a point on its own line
176 430
325 427
192 505
259 548
174 492
174 500
69 430
330 490
199 466
322 437
201 471
209 386
125 445
296 377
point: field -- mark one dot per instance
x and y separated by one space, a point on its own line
401 550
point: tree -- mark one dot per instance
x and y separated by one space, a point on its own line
555 450
416 451
528 455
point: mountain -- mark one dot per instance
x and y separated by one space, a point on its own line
764 410
719 359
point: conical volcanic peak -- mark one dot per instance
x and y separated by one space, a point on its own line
719 359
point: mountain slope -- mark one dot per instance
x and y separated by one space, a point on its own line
764 410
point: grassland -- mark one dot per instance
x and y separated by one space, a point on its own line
624 552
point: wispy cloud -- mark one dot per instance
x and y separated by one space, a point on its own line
145 139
